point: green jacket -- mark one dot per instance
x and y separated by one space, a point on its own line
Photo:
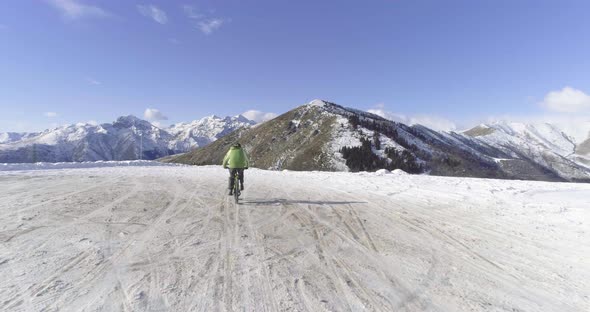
235 158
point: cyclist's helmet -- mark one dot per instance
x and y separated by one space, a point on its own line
237 144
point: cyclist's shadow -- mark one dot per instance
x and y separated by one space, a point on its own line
282 201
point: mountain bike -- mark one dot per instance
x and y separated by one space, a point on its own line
236 186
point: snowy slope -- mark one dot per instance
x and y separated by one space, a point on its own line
204 131
523 151
539 151
127 138
578 129
8 137
545 143
579 132
170 239
428 146
540 136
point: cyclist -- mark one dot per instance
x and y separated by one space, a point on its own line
236 160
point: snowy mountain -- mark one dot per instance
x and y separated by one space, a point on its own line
325 136
582 155
127 138
543 142
9 137
204 131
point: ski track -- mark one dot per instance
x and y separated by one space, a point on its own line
170 239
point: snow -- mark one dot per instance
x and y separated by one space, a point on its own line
539 136
381 172
204 131
538 144
577 129
318 103
86 142
143 238
78 165
399 172
9 137
545 143
342 135
500 160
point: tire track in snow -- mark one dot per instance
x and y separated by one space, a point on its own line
48 238
363 227
274 247
85 219
61 197
344 285
116 256
325 260
408 298
227 265
260 254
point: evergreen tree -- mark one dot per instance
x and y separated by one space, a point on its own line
376 140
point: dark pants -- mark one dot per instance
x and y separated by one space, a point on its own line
232 172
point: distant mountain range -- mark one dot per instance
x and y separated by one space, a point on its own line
326 136
323 136
127 138
544 143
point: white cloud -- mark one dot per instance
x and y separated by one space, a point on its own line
73 9
153 12
208 26
191 12
93 81
51 114
205 24
567 100
258 116
432 122
380 105
154 114
379 111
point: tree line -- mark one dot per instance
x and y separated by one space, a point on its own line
362 158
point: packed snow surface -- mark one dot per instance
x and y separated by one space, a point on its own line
169 238
84 164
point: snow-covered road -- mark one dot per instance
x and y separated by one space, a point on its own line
169 238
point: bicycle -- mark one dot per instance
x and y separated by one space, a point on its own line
236 186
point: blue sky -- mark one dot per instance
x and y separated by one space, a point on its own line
450 63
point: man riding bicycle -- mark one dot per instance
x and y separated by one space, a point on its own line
236 160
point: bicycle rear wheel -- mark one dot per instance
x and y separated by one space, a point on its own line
236 188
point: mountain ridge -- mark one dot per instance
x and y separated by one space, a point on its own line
538 138
127 138
321 135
